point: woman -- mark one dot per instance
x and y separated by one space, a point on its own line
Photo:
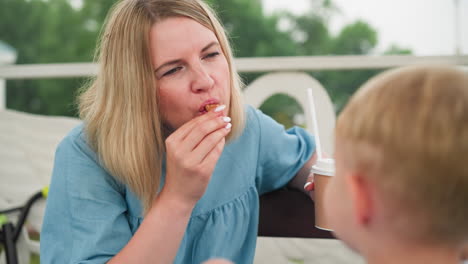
152 176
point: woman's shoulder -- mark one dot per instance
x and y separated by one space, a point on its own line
75 155
76 142
253 116
74 134
251 112
258 121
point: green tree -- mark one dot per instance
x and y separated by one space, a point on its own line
43 32
311 34
94 12
397 50
252 33
354 39
357 38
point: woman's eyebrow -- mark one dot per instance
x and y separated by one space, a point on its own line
168 63
177 61
214 43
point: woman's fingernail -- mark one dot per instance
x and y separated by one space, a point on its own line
220 108
309 186
226 119
228 126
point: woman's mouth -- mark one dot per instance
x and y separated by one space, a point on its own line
208 106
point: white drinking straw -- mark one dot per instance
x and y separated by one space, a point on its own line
314 120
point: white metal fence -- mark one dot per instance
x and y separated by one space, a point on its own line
245 65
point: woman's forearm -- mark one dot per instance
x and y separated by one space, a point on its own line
158 238
301 177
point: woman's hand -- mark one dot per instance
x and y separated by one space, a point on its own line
304 178
192 153
309 186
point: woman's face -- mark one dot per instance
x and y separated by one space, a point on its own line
190 68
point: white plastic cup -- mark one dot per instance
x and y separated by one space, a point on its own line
323 170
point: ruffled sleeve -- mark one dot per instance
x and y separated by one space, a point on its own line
86 218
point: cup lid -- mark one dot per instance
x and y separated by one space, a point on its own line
325 167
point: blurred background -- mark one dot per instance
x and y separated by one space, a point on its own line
62 31
66 31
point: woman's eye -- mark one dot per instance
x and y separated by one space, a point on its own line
211 55
172 71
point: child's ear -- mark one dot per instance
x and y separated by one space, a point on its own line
361 197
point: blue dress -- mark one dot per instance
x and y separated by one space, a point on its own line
90 216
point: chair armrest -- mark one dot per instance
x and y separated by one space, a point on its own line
288 213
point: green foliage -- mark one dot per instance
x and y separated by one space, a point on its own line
35 259
252 33
311 32
282 108
356 38
3 219
341 85
396 50
297 261
45 32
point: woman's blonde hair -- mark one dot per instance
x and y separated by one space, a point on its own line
408 129
120 107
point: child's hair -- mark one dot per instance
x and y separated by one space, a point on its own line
408 130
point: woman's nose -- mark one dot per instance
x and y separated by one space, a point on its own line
202 81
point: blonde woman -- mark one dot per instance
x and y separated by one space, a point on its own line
152 175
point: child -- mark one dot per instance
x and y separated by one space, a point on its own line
401 175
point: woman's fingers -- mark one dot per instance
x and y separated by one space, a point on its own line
310 184
188 127
181 145
201 132
192 153
211 159
209 147
188 136
189 172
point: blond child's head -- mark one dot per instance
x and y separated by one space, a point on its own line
401 151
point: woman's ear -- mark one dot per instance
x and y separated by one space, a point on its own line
361 197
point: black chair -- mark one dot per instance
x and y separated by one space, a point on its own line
10 232
288 213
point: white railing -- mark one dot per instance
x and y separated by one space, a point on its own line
245 65
2 94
